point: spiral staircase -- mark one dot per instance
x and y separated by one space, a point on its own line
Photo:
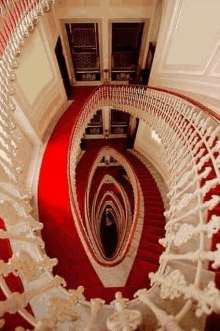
171 261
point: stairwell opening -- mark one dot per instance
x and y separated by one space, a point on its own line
109 232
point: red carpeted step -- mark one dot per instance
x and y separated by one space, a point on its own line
152 230
139 275
148 246
149 257
152 238
155 218
154 208
151 200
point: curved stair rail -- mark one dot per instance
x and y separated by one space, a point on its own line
191 152
189 134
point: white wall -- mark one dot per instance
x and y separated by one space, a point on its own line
150 148
39 87
34 71
187 57
40 94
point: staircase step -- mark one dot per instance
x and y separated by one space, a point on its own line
154 210
140 274
156 226
152 201
150 191
149 257
147 266
151 238
159 219
152 230
153 206
148 246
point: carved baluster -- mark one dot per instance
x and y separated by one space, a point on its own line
184 180
167 322
16 301
22 237
212 203
5 176
96 305
61 310
9 169
124 319
204 126
23 264
12 23
167 119
196 256
11 216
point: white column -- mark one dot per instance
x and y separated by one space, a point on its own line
106 119
105 9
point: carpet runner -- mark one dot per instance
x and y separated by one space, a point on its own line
59 232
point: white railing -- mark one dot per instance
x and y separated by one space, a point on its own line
190 140
191 153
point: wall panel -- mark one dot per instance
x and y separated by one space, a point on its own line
188 50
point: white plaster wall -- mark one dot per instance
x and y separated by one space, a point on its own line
187 57
25 154
40 92
151 149
50 23
34 70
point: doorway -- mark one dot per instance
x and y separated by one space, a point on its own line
84 49
63 68
126 45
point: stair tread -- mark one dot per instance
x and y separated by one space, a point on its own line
148 246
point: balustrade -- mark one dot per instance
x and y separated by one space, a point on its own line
191 153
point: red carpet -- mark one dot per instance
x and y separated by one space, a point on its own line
59 232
